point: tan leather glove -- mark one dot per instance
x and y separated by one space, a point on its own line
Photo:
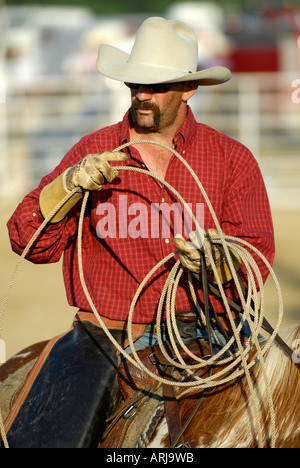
89 174
93 170
190 256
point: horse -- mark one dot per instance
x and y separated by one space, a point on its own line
225 418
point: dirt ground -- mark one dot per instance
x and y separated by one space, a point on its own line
37 308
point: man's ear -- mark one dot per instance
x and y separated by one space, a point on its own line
190 89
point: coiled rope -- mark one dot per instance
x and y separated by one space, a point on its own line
237 363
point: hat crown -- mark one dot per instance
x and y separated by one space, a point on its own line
165 43
164 51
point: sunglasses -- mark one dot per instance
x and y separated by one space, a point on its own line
153 88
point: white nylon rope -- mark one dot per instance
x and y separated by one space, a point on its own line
169 293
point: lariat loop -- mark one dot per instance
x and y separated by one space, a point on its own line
237 363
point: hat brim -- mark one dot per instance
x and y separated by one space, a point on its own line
113 63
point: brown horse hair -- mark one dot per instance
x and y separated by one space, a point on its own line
225 419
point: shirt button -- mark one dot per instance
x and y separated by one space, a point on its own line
167 241
34 215
162 200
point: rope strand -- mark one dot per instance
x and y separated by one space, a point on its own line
238 364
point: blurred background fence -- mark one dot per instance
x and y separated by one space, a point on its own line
43 120
51 96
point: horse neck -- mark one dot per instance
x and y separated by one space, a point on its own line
226 418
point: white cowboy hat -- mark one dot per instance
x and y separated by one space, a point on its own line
164 51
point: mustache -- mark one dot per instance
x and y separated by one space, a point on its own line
144 105
138 105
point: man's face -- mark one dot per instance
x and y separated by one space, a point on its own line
154 111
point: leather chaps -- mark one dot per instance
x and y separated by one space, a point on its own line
70 392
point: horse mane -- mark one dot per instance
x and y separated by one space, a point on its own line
225 418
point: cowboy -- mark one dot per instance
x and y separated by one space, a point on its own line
119 251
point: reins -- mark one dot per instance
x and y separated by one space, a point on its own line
239 362
252 306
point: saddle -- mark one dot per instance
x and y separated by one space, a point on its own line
146 400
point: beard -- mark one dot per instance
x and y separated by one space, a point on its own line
134 115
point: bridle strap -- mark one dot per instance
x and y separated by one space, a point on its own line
172 416
176 431
265 324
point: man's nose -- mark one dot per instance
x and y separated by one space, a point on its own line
143 93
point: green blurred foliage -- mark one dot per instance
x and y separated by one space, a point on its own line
148 6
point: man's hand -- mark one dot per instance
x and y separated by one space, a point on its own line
93 171
89 174
189 255
189 251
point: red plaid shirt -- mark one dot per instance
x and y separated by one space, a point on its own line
126 232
